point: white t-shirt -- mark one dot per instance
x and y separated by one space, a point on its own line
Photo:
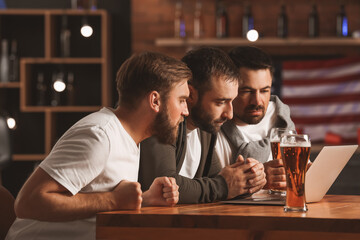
94 155
251 132
192 155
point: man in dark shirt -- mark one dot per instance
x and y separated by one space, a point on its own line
190 159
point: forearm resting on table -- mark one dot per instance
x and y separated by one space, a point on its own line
42 198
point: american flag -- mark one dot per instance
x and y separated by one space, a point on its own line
324 98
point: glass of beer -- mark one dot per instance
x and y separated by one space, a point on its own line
275 135
295 152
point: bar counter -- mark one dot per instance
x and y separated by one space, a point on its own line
334 217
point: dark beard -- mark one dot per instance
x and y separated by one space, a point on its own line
163 130
253 120
203 120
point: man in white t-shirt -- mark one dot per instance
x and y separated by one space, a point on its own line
94 165
255 113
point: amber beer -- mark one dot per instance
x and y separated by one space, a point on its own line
295 160
275 150
275 136
276 154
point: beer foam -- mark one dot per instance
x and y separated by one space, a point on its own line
303 144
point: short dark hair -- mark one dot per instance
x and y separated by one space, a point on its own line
251 57
146 72
206 63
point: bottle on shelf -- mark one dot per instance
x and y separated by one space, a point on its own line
221 20
13 63
70 89
282 23
41 90
93 4
84 4
342 23
313 22
247 21
179 22
74 4
4 61
198 20
79 4
65 35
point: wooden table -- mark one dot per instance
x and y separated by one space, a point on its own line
335 217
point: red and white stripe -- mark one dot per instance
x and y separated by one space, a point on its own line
324 97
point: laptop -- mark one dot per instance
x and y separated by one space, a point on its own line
325 169
318 180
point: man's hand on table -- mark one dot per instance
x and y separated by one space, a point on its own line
128 195
243 178
162 192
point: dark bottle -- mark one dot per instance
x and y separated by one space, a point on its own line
313 22
93 4
13 63
41 90
64 38
179 23
247 21
342 23
221 21
84 4
70 89
282 23
198 21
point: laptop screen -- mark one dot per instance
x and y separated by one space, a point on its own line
325 169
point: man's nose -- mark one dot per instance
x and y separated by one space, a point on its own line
256 99
228 112
185 111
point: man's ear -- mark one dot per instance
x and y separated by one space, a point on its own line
193 96
154 101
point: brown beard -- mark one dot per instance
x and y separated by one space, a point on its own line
203 120
162 128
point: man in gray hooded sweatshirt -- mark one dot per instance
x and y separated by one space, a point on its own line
256 111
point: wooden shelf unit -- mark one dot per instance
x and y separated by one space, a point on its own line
322 46
90 63
232 42
10 85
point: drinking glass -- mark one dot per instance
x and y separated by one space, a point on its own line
295 152
275 135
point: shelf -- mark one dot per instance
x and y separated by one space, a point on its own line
60 108
28 157
62 60
21 12
51 11
38 34
10 85
231 42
